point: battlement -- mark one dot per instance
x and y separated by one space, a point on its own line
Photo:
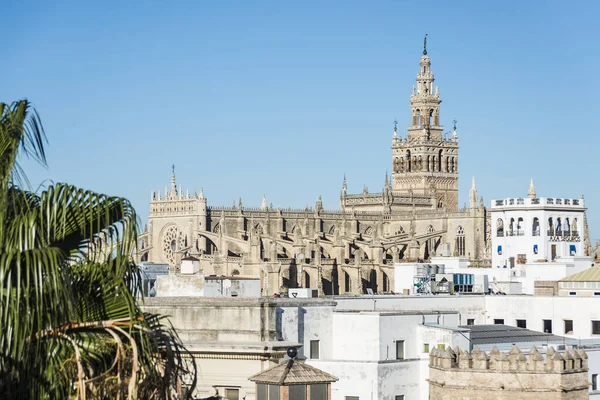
554 362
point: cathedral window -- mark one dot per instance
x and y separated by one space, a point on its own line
460 241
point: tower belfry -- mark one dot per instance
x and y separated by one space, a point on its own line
426 160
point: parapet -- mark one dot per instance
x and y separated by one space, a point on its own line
575 360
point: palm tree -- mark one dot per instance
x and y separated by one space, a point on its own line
70 325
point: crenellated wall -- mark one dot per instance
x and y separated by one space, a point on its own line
456 374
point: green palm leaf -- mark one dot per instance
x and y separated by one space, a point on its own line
71 326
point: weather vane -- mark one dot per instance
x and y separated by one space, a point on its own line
425 46
173 168
395 123
454 123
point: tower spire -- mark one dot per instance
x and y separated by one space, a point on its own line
473 195
173 193
531 192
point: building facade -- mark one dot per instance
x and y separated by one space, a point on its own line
535 229
497 375
335 251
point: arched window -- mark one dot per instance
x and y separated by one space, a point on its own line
574 229
558 227
520 231
408 160
567 227
499 227
535 228
418 117
460 240
550 227
439 166
511 227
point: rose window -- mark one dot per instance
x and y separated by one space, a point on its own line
173 241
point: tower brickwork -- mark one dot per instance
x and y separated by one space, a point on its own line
455 374
426 160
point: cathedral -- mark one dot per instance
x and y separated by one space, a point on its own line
348 250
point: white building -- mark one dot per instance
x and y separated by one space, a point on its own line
533 229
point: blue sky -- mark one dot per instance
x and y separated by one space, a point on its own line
283 98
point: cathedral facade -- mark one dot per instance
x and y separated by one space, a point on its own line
348 250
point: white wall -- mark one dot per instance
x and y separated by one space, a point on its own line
524 244
534 309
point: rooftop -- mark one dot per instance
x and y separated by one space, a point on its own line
538 202
496 334
292 373
589 275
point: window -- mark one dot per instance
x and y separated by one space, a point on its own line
470 321
572 293
232 394
273 392
460 241
522 323
441 346
568 326
536 227
595 327
499 321
594 381
318 391
351 398
314 349
547 325
297 392
425 347
499 227
399 349
596 293
400 397
262 391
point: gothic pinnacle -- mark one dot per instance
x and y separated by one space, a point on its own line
531 192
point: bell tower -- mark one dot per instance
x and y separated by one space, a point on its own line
426 161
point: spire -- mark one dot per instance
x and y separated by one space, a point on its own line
240 202
454 134
425 45
396 127
201 193
531 192
344 185
264 206
173 193
473 196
